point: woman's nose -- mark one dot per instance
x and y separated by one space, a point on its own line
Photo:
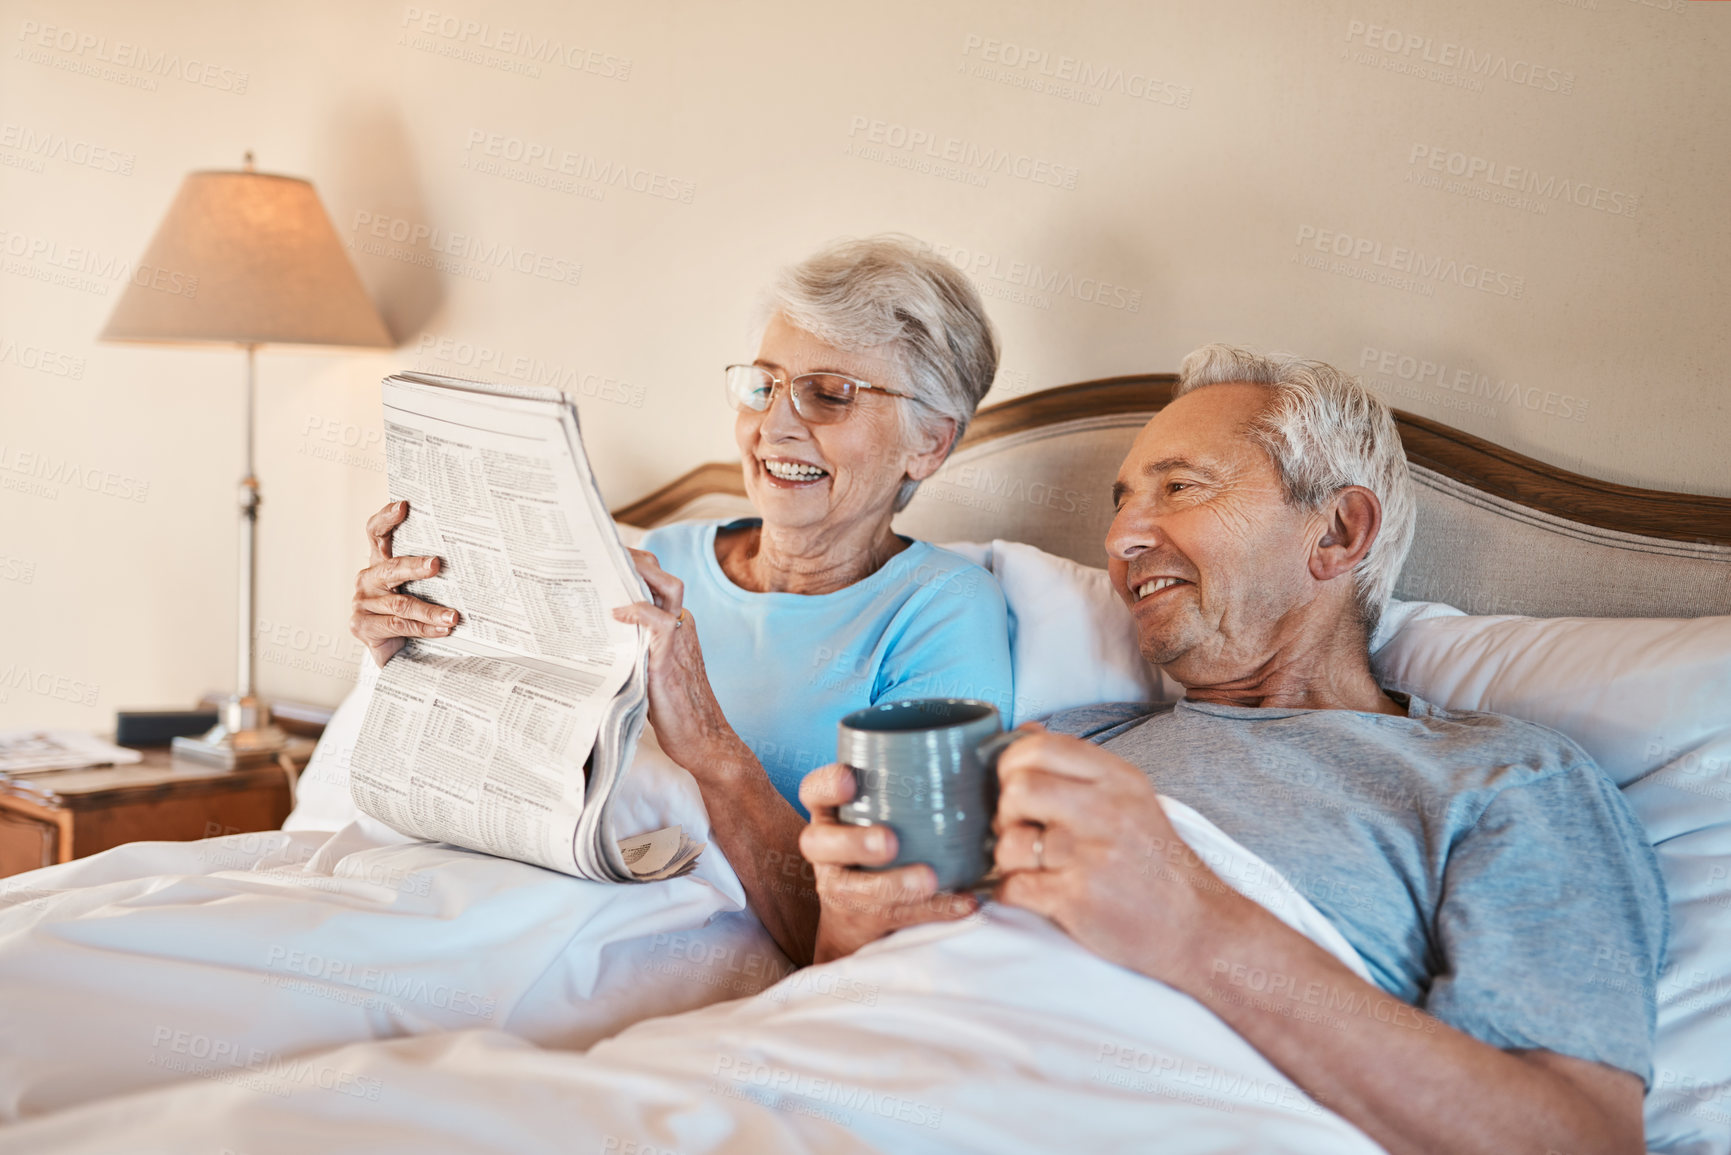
780 419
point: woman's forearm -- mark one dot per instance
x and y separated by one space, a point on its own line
759 832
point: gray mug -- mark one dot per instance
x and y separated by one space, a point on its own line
927 769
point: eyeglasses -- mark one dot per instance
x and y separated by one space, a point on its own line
818 398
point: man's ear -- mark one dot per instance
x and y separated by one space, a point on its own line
931 446
1352 519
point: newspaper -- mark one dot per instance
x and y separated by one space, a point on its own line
40 751
510 734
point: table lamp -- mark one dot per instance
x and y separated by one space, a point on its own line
245 258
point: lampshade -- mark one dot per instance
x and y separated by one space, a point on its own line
268 265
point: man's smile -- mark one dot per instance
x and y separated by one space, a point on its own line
1157 585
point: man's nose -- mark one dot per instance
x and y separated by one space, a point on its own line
1132 532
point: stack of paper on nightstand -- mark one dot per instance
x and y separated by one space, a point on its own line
38 751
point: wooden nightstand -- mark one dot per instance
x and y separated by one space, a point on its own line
67 814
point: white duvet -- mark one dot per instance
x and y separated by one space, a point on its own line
193 1010
130 968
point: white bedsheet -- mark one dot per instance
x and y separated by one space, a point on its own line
282 943
998 1034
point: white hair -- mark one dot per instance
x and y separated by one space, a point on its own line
890 291
1324 431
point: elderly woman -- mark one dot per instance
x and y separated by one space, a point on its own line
872 361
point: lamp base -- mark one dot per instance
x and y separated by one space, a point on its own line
243 736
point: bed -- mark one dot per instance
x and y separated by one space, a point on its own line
330 986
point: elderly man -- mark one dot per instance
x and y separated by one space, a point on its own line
1481 866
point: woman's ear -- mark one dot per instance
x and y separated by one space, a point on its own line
931 446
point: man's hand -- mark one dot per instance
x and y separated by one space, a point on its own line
861 906
1083 840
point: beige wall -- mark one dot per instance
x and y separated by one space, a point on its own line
1328 178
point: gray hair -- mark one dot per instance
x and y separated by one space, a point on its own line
1324 431
889 290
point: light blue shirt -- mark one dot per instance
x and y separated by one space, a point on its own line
787 667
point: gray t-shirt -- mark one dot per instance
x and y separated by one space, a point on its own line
1484 867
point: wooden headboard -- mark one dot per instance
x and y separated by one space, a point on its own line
1499 532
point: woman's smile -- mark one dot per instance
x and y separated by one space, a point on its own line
790 473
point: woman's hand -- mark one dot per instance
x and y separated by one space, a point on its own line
383 617
860 906
688 720
753 826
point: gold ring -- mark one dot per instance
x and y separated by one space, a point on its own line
680 620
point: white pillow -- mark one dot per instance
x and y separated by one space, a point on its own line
322 799
1636 693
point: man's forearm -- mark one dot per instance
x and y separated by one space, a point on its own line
1408 1080
759 832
